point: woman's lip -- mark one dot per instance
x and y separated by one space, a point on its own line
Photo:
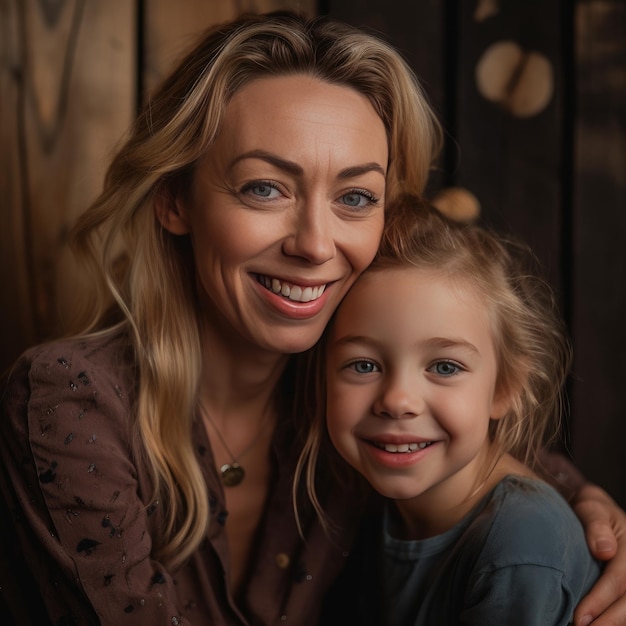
295 281
293 309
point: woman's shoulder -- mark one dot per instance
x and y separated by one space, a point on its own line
75 375
71 361
106 350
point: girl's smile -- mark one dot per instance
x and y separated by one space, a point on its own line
411 387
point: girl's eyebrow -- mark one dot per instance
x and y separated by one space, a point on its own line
296 170
451 342
348 339
434 342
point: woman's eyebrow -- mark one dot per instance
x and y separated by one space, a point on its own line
358 170
283 164
297 170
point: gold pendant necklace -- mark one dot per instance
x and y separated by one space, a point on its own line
232 473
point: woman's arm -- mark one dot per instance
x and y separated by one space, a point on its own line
74 491
605 529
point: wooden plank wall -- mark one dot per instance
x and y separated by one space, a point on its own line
532 94
598 242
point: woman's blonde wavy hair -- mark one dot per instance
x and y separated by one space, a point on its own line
144 277
532 348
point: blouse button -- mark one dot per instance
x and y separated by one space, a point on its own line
282 560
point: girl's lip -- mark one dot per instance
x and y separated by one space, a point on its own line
394 448
398 459
397 439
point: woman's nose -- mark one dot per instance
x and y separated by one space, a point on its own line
400 398
311 235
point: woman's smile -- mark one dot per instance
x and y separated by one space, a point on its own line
286 210
293 300
292 291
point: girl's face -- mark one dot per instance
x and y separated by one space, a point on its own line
286 210
411 372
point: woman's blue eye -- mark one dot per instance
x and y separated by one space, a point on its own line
446 368
262 190
358 199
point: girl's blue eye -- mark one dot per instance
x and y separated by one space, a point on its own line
363 367
445 368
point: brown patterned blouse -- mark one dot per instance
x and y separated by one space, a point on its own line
77 525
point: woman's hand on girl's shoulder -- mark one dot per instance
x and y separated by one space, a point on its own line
605 528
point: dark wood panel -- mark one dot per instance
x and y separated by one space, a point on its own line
599 405
418 30
509 119
414 28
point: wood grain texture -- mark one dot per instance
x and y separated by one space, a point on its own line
68 92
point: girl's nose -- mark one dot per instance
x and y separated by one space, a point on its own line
400 399
312 236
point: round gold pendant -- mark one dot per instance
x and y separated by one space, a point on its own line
232 474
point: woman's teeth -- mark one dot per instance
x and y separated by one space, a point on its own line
403 447
293 292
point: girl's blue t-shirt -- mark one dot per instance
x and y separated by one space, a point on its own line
519 558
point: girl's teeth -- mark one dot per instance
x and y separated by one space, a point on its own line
403 447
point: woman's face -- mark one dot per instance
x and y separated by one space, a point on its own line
287 209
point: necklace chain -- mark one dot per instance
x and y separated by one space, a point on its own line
232 473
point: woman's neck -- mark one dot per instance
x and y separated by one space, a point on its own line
237 377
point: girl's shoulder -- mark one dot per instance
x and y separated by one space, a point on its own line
526 519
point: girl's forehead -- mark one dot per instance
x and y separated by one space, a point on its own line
402 294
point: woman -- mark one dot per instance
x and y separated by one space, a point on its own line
150 457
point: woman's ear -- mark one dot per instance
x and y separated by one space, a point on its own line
171 213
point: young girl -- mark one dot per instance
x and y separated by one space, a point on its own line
444 368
